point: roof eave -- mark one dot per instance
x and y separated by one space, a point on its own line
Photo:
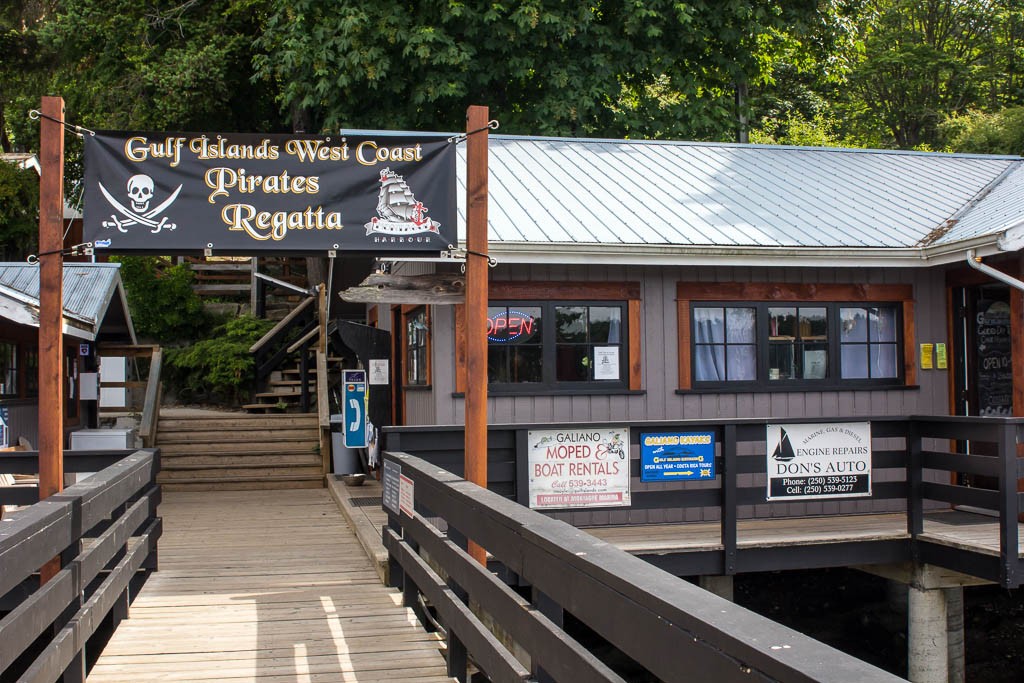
675 255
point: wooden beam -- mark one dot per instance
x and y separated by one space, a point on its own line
433 288
51 306
476 303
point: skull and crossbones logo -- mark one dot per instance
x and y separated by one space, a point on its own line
141 190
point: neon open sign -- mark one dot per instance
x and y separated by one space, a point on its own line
509 326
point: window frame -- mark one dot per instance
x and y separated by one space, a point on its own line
764 296
408 313
563 292
549 349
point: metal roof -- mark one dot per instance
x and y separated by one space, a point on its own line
617 197
89 290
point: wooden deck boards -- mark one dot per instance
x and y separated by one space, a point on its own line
958 529
265 586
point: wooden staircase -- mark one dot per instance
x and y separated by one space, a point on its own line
236 451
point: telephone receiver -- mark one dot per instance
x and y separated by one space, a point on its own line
354 425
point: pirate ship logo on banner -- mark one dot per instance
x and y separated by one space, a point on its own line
398 212
141 190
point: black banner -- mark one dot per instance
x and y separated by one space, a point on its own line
245 193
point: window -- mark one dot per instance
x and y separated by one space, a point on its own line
545 337
416 335
725 344
868 342
797 344
8 369
564 344
802 336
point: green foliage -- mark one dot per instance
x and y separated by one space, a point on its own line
636 68
163 306
794 129
220 367
19 211
1001 132
160 65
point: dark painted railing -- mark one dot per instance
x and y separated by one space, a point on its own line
665 626
104 529
903 471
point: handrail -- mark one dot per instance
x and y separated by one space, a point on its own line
672 628
277 329
151 405
115 511
303 340
323 409
913 458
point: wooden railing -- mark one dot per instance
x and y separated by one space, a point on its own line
915 461
664 625
271 351
104 530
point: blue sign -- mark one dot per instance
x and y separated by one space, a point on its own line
4 434
354 408
677 457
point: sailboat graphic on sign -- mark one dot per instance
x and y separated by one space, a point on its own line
784 451
398 212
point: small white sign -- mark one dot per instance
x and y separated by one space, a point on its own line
406 495
807 461
606 362
379 371
578 468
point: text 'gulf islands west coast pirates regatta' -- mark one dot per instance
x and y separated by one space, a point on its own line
246 193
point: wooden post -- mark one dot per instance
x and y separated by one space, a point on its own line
476 304
51 306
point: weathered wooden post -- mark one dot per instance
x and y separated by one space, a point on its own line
476 303
51 305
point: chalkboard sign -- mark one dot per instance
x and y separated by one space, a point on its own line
994 368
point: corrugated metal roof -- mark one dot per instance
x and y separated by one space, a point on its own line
88 288
998 210
690 195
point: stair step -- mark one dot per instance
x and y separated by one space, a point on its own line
219 461
268 473
303 433
218 447
286 395
237 484
243 423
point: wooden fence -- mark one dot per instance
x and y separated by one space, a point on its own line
918 463
666 626
104 529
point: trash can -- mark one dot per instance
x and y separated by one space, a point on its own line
344 460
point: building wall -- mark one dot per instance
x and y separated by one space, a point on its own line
660 354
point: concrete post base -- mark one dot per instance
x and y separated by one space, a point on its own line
927 639
722 586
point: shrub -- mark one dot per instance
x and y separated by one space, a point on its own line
220 368
164 307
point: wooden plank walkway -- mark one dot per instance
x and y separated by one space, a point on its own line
965 530
265 586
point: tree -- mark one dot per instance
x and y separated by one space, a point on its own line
924 60
182 65
643 68
1001 132
19 211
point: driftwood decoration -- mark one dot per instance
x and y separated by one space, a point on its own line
408 289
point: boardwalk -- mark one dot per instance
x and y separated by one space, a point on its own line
265 586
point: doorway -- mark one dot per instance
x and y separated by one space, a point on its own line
983 367
983 364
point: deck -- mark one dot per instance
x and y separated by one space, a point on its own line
267 586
